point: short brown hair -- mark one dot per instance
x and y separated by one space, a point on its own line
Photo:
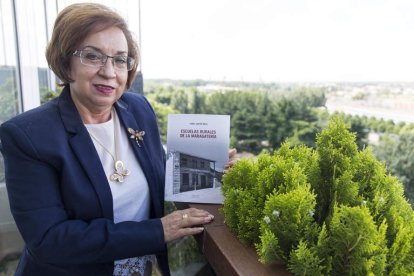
73 24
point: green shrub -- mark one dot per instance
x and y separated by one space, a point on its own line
290 217
305 261
332 210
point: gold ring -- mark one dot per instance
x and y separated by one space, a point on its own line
185 216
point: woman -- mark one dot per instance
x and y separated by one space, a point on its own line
85 172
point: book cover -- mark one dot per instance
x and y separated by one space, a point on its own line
197 150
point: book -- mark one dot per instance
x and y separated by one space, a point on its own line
197 151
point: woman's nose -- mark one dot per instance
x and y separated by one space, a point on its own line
108 69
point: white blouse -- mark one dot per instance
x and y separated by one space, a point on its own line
131 200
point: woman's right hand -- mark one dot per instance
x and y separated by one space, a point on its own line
184 223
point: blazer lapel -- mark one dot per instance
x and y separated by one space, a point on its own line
141 152
84 150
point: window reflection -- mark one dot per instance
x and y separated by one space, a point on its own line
10 241
9 100
9 97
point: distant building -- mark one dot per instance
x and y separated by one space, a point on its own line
192 173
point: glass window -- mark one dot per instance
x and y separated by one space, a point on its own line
9 92
25 79
10 105
203 181
31 43
185 182
183 162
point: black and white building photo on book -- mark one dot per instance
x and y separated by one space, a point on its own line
197 150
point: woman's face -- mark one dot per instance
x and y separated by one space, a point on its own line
95 89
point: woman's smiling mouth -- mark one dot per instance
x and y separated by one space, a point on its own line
105 89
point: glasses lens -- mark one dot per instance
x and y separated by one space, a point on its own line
123 62
130 64
97 59
91 58
120 62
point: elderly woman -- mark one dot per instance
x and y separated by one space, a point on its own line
85 171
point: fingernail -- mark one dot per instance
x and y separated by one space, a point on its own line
201 229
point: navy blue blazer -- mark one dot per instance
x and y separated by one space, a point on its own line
60 196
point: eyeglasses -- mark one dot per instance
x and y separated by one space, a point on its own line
97 59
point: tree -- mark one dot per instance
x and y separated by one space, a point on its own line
9 105
336 150
294 117
260 120
198 102
398 154
359 125
280 122
162 112
247 131
180 102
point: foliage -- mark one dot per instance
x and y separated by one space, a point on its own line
366 124
47 95
336 150
162 112
2 174
305 261
289 216
266 115
363 125
243 183
398 153
9 264
9 104
260 120
333 210
184 251
355 242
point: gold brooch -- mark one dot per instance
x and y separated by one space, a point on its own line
137 135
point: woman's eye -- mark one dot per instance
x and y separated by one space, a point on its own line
93 56
120 60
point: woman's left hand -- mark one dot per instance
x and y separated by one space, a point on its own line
181 223
232 160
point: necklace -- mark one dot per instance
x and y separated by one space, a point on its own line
120 171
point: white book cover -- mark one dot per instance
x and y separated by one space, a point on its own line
197 150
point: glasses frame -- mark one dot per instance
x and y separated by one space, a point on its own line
130 61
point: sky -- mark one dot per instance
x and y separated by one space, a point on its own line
254 40
278 40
